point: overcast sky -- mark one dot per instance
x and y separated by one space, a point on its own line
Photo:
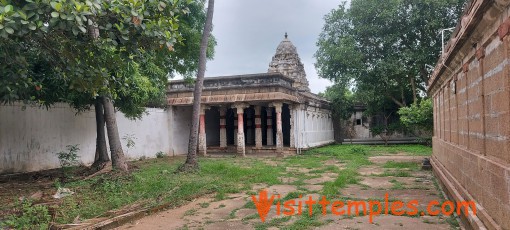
248 32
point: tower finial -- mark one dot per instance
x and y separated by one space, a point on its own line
286 35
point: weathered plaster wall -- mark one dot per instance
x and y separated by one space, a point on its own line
29 139
361 131
471 143
312 127
181 123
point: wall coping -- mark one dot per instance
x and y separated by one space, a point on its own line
476 16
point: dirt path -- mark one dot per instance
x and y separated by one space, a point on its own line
377 179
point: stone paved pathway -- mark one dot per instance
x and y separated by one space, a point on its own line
238 212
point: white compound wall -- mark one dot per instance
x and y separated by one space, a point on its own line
30 138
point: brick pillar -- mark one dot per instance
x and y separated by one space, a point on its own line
258 128
291 133
241 150
202 140
279 132
480 55
269 111
465 69
223 127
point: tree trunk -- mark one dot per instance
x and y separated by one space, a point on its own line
101 158
402 96
191 160
118 159
413 87
337 127
400 104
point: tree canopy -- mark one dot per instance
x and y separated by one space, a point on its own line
67 50
380 47
117 52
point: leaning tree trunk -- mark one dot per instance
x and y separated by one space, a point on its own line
413 87
191 160
101 158
118 159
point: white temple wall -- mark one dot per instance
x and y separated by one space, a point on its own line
312 127
181 123
30 138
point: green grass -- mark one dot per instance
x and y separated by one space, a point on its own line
402 165
353 157
190 212
345 177
204 205
414 150
398 173
275 222
307 221
397 185
152 183
98 195
250 217
250 205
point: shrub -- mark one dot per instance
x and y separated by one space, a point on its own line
160 154
29 217
69 159
418 116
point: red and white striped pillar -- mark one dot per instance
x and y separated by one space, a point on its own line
202 139
279 129
223 127
241 150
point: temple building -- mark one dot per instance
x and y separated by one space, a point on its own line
470 89
272 112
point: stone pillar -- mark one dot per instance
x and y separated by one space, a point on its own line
291 133
235 128
269 111
258 128
223 127
241 150
202 140
279 132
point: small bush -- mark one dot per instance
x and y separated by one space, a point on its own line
160 154
69 159
29 217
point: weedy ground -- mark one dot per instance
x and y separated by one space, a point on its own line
219 195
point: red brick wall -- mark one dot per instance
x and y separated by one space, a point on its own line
471 143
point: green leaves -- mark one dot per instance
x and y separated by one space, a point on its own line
8 8
56 5
9 30
161 6
418 115
379 48
51 57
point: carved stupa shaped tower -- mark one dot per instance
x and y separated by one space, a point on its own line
287 62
